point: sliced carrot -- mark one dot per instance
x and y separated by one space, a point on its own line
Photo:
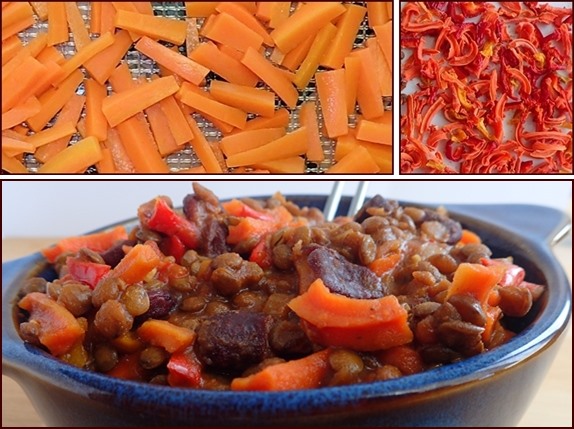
57 23
156 27
369 94
48 135
240 13
53 102
271 76
96 17
404 357
12 30
310 64
250 100
48 80
331 91
305 22
292 144
108 14
308 118
144 7
75 158
468 237
102 65
203 104
179 64
136 264
96 124
59 330
41 9
375 132
200 9
176 121
192 36
229 68
122 162
228 30
304 373
475 280
280 11
50 53
377 13
281 118
222 126
89 51
263 12
106 164
77 25
382 265
15 12
10 47
161 333
381 154
385 40
32 49
121 106
382 70
12 147
70 113
19 113
247 140
360 324
295 57
291 165
12 165
356 162
17 86
352 76
342 44
163 137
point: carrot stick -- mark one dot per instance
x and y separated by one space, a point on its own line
369 94
229 68
15 12
244 16
10 47
228 30
192 36
70 113
106 164
358 161
331 91
96 124
58 131
45 82
201 147
12 165
382 70
352 76
12 147
53 102
77 25
176 121
17 86
17 27
155 27
291 165
279 13
200 9
20 113
108 14
179 64
96 17
308 118
122 162
32 49
263 12
144 7
57 23
377 13
311 62
305 22
281 118
271 76
385 40
250 100
164 334
102 65
224 127
50 53
41 9
158 123
375 132
247 140
121 106
292 144
342 44
75 158
295 57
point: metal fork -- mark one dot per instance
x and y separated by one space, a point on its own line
334 199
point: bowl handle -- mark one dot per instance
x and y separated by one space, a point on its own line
539 223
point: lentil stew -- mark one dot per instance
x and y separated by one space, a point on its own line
267 295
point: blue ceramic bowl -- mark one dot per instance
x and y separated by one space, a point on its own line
492 389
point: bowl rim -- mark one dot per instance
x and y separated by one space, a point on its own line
544 331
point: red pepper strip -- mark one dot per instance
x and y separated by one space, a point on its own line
552 135
523 42
171 245
498 117
493 84
165 220
421 28
261 254
88 273
526 87
466 59
184 370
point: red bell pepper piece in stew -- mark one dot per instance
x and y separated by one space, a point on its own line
89 273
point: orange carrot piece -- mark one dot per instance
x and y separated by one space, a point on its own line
382 265
347 29
375 132
77 25
108 14
200 9
250 100
291 165
224 127
358 161
295 57
20 113
229 68
246 140
102 65
53 102
32 49
360 324
292 144
331 91
15 12
48 135
382 71
161 333
475 280
280 11
179 64
122 162
121 106
281 118
159 126
12 165
310 64
228 30
96 124
50 53
136 264
304 373
96 17
19 84
385 40
12 147
41 9
144 7
352 76
74 159
201 146
12 30
469 237
156 27
305 22
192 36
70 113
10 47
243 15
176 121
369 94
106 164
57 23
59 330
308 118
405 358
377 13
271 76
203 104
263 12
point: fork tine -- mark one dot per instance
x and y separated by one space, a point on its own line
359 198
332 203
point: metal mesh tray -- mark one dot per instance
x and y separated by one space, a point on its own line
140 65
